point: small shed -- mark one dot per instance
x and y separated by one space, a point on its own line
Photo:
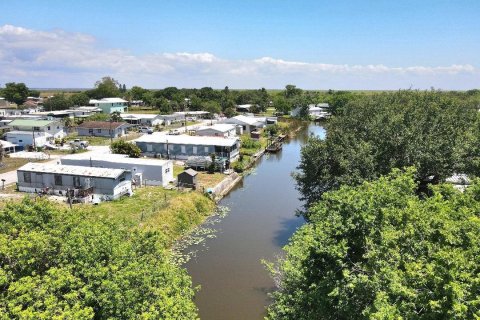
188 179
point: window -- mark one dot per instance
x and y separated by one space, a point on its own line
48 128
149 148
122 177
167 170
90 131
27 177
58 180
20 140
194 150
36 128
99 130
76 182
183 149
206 149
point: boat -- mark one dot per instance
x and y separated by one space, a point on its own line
274 146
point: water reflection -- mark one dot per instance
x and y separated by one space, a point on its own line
234 284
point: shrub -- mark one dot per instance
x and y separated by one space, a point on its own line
124 147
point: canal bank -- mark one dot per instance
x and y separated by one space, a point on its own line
234 283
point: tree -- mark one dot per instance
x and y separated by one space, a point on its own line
230 112
212 106
115 117
374 134
16 92
58 102
80 99
137 92
58 264
162 105
124 147
107 87
378 251
292 91
34 93
282 105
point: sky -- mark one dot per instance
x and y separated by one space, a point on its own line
356 45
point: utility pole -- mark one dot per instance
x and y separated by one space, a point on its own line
111 133
33 136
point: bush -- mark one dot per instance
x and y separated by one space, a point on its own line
124 147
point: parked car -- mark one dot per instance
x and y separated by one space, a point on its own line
146 130
174 132
82 144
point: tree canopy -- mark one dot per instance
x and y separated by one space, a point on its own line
16 92
57 264
378 251
124 147
107 87
373 134
58 102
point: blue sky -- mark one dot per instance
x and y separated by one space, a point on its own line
264 43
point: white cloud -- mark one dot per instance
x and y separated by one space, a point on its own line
63 59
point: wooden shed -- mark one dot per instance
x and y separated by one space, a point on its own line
188 179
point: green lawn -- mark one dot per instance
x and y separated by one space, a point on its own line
9 164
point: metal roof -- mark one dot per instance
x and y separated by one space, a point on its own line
139 116
190 172
72 170
107 100
101 125
243 119
159 137
222 127
117 158
31 123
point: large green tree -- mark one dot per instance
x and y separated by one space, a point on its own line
15 92
80 99
373 134
58 102
378 251
107 87
57 264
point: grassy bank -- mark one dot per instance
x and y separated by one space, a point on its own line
170 212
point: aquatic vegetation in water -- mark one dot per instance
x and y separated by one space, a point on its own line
187 247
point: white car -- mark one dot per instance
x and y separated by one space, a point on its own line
82 144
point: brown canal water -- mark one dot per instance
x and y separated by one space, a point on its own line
234 283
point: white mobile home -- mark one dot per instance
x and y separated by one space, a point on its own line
86 183
184 146
26 138
217 130
138 119
145 171
248 124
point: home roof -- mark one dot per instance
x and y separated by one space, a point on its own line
31 123
118 158
26 133
160 137
244 119
108 100
72 170
190 172
138 116
101 125
222 127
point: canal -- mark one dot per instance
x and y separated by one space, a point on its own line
234 283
